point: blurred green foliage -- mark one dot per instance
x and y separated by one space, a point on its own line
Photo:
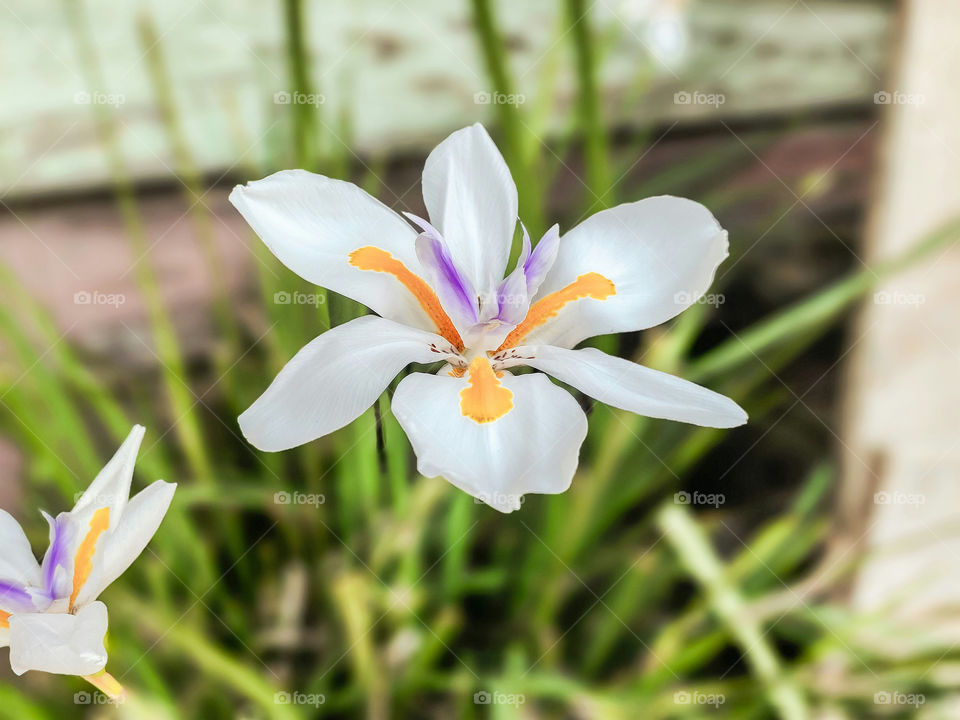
399 596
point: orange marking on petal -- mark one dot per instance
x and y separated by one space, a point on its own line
456 372
378 260
590 285
83 560
4 619
485 399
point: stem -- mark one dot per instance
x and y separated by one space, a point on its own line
588 104
696 554
187 428
299 70
508 117
304 125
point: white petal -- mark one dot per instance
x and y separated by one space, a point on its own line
59 642
4 637
98 512
138 524
533 448
661 254
472 201
111 487
636 388
312 223
335 378
17 561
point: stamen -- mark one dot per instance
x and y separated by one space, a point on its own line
83 560
591 285
485 399
378 260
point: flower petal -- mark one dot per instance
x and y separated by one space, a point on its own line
659 254
111 487
538 263
335 378
17 562
454 290
77 537
138 524
313 223
472 200
59 642
636 388
530 447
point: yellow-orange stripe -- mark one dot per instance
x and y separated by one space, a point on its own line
4 619
590 285
83 560
485 399
378 260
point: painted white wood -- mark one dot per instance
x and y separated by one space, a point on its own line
902 429
405 71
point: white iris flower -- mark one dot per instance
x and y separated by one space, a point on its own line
441 292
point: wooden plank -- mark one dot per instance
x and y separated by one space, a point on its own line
406 72
901 497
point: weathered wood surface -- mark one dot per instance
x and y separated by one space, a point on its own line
406 72
901 497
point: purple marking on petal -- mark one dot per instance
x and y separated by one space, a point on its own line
541 259
513 301
451 286
513 298
15 598
57 553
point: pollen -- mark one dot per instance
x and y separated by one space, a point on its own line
83 560
485 399
378 260
590 285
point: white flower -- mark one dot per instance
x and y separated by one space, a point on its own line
49 614
440 294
